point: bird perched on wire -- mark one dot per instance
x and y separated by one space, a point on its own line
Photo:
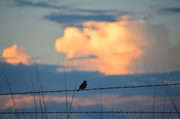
83 86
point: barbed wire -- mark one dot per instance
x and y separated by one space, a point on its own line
139 86
91 112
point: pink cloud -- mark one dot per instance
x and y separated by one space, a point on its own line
113 44
107 100
15 55
125 46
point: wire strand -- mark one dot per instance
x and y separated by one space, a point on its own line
55 91
91 112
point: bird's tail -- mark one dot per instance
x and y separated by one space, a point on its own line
78 89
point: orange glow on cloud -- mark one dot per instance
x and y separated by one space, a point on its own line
115 46
15 55
107 100
125 46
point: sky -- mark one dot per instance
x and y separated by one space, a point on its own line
108 43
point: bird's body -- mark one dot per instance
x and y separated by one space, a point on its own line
83 86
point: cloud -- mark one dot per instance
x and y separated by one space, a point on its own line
169 10
97 11
125 46
15 55
21 101
113 45
39 4
78 18
74 16
107 100
68 7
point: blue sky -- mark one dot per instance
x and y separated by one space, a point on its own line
110 43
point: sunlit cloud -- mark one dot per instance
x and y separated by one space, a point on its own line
114 45
15 55
123 47
21 102
107 100
28 101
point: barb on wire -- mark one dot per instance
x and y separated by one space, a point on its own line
139 86
91 112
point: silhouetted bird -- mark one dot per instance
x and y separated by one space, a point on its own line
82 86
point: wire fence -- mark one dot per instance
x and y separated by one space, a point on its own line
121 87
93 112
